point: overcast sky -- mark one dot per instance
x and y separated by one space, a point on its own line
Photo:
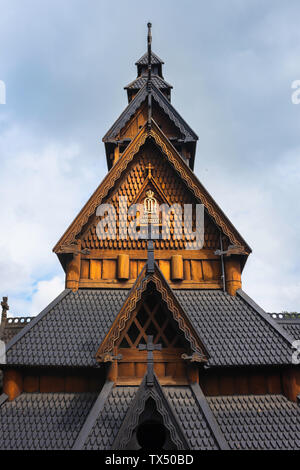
231 63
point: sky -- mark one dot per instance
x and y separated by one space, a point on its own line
231 63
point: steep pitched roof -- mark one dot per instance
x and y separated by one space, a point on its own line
174 307
154 59
196 417
163 102
258 422
89 424
235 330
12 326
181 168
116 412
41 421
292 328
136 408
107 422
69 331
141 81
289 322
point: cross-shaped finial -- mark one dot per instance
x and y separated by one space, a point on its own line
149 168
4 303
4 306
150 347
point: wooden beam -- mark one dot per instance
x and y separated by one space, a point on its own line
12 383
233 274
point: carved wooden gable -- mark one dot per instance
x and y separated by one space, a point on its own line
185 174
117 261
150 422
151 309
168 188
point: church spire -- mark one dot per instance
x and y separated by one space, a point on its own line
149 68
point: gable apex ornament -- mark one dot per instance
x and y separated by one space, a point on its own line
150 203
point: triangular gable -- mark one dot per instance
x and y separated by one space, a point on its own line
164 104
181 168
198 350
137 407
151 183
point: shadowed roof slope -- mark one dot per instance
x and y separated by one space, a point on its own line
41 421
258 421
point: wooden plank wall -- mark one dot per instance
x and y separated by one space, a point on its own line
196 272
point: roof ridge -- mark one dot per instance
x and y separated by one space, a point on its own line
36 319
134 104
264 315
146 56
3 398
93 415
209 416
174 110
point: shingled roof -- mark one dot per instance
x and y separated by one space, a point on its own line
41 421
258 421
162 101
154 59
292 328
69 331
156 80
289 322
36 421
234 330
12 326
186 404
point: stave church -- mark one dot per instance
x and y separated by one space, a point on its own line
153 344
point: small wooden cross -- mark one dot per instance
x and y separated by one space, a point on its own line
150 347
149 168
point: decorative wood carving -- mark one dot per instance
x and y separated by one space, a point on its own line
181 168
137 407
130 304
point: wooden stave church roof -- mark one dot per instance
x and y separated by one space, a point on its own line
242 422
215 305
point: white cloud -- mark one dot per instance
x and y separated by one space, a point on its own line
41 190
232 83
46 291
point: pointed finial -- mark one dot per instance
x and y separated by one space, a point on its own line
149 33
149 50
149 76
4 305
